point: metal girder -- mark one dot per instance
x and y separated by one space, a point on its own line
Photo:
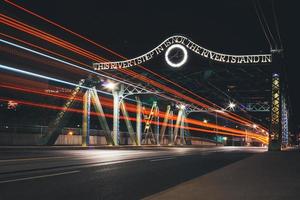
191 108
55 126
131 90
182 131
117 96
86 118
256 107
165 122
178 124
157 125
102 119
128 123
171 128
284 121
148 132
138 121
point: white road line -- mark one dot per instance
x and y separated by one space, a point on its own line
37 177
29 159
160 159
73 157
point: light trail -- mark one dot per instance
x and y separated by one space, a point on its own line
67 63
68 58
37 33
208 125
114 53
19 71
132 108
253 136
101 46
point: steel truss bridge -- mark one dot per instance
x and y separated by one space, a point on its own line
166 120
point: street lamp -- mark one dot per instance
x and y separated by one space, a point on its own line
231 105
180 106
110 85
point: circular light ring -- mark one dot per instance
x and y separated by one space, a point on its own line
184 59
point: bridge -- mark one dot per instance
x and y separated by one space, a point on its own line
71 106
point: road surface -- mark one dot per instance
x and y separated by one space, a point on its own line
106 173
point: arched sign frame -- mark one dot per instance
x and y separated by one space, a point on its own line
188 44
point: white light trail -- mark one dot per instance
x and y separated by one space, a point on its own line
82 68
47 78
67 63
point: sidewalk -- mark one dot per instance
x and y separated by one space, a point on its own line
270 175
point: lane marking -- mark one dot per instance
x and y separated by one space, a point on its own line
27 159
79 157
38 177
161 159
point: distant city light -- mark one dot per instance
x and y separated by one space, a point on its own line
205 121
254 126
12 105
70 133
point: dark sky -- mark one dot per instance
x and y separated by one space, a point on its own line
133 27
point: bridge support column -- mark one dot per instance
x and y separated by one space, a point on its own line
128 123
284 121
117 94
98 108
157 125
171 129
138 121
182 124
86 118
178 123
275 133
164 125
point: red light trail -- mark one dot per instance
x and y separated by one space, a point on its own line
112 52
52 107
67 45
131 108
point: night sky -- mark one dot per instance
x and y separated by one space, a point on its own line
134 27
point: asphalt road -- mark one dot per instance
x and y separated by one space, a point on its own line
106 174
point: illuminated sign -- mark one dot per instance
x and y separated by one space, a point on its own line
181 49
183 44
